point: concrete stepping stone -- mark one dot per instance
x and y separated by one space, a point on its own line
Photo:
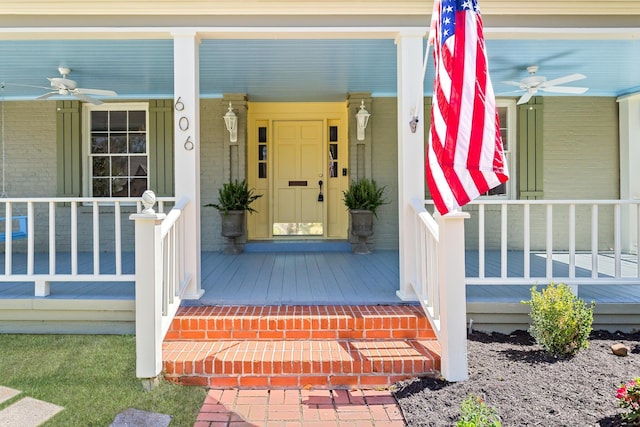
28 412
135 417
7 393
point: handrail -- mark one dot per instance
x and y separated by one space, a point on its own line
161 279
439 283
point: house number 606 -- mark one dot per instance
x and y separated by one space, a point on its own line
183 124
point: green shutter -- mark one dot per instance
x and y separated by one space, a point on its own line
530 165
69 148
161 147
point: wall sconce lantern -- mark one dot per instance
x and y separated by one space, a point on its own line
362 118
231 121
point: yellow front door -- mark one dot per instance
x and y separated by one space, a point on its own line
291 147
298 178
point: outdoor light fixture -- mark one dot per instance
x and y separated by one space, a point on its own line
231 121
363 118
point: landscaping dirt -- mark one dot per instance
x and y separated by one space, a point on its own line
527 386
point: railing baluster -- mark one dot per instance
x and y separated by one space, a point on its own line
8 249
594 241
617 239
549 241
637 210
74 238
96 238
572 241
481 253
30 239
118 237
52 237
503 241
527 241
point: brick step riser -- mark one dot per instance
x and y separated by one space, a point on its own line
293 382
219 324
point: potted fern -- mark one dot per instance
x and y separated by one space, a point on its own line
363 198
234 199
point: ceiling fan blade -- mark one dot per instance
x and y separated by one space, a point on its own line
21 85
47 95
512 83
563 80
525 98
87 98
565 89
100 92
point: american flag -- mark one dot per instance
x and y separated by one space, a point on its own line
465 156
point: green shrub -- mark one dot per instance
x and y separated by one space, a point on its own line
475 413
560 321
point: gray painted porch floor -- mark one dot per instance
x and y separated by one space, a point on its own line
266 278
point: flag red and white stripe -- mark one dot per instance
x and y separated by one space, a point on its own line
465 157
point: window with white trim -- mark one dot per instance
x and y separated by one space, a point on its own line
117 149
507 116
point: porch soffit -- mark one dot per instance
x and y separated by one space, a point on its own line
298 7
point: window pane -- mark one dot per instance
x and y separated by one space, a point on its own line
333 133
138 186
262 170
101 166
262 134
118 143
99 143
118 121
137 143
262 152
101 187
137 121
119 188
505 140
119 165
333 151
99 121
333 169
138 165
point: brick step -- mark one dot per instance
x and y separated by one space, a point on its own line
298 364
300 322
283 347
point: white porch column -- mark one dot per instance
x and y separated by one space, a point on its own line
629 123
411 174
186 84
148 294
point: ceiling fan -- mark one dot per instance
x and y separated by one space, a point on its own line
65 86
534 83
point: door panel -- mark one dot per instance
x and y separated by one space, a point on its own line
298 170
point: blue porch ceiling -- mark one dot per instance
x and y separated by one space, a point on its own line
298 70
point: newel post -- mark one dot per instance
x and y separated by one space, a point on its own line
148 247
453 304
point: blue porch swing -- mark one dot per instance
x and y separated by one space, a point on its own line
18 222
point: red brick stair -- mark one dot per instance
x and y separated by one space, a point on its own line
299 346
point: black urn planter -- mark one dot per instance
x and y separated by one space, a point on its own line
232 228
361 229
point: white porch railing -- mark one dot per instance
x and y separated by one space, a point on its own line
67 224
439 283
161 279
580 234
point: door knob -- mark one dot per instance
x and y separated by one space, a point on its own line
320 195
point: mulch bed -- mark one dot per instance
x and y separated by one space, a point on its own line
527 386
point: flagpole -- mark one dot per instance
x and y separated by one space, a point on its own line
416 111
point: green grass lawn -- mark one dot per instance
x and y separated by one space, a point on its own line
92 376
